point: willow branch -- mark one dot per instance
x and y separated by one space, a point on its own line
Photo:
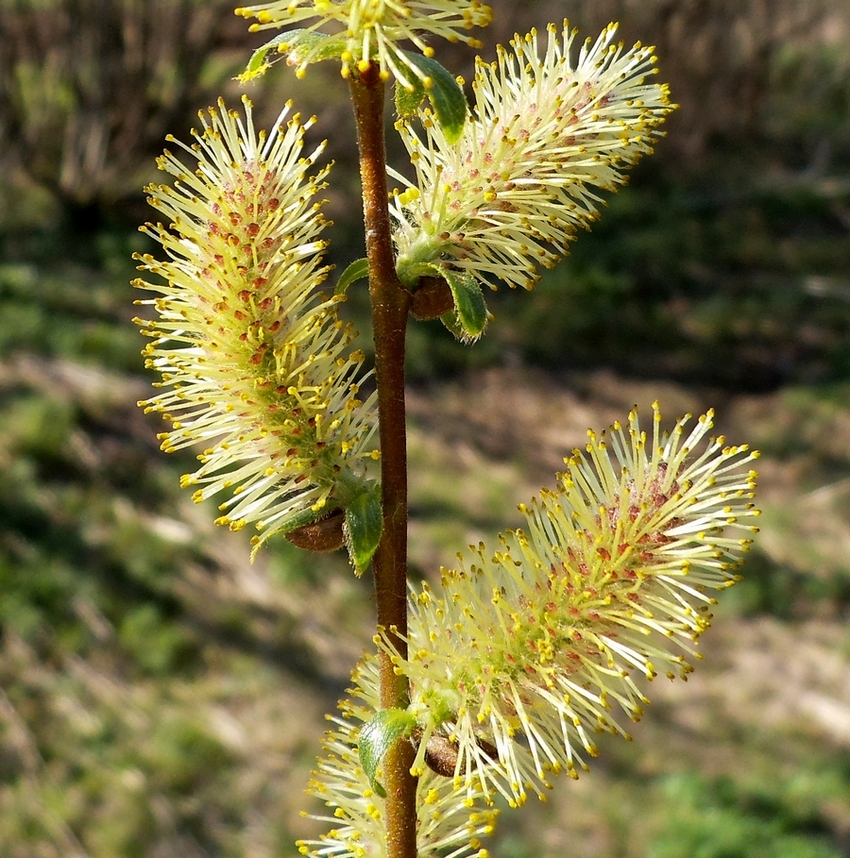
390 304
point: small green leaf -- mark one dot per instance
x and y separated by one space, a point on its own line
470 308
356 271
295 44
320 46
407 101
258 64
453 326
378 736
445 94
363 526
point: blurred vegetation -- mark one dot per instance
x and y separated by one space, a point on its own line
160 697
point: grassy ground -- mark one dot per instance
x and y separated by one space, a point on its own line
163 697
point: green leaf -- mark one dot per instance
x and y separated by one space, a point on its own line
295 44
445 94
363 526
356 271
320 46
453 326
407 100
258 64
378 736
470 308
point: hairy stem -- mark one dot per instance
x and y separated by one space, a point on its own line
390 306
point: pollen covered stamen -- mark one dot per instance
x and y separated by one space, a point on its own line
255 364
538 641
547 133
373 30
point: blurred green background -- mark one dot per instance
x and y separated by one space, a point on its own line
160 697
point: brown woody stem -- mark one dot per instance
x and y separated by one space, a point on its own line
390 306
